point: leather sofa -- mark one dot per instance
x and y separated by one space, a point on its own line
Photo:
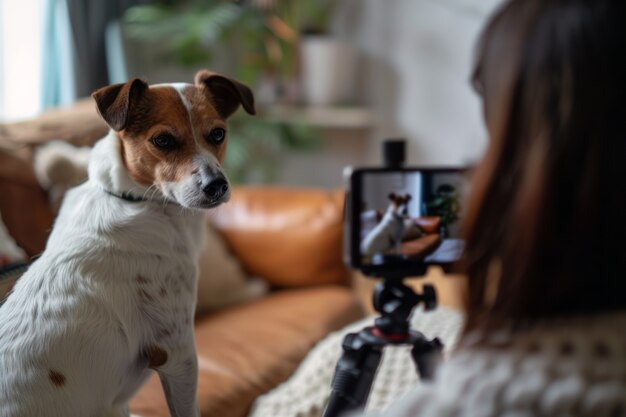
290 237
420 247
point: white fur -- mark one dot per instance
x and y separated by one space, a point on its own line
116 279
387 234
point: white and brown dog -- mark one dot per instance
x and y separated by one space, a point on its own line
391 229
113 295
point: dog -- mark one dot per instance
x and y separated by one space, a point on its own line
112 297
389 232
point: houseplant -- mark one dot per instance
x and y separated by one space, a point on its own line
254 40
445 203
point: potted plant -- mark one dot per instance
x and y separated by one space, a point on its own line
328 65
446 205
259 42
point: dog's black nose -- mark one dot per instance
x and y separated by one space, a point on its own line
216 188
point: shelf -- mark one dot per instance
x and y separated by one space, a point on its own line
324 117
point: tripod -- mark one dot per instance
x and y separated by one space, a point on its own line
363 351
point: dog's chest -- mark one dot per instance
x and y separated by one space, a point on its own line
164 298
165 289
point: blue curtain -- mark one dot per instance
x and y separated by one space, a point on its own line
75 47
58 60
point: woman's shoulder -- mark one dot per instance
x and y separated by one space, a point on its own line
571 367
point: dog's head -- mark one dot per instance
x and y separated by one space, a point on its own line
399 202
173 136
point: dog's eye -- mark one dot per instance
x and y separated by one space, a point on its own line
164 142
217 135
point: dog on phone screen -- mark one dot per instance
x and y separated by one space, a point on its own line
112 297
388 233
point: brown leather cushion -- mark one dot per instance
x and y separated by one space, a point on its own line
23 204
429 224
247 350
421 247
289 237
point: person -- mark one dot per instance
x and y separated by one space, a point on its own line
545 223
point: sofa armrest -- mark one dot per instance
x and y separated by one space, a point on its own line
78 124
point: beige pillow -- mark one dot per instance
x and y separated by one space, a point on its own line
223 281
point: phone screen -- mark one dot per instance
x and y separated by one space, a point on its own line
405 217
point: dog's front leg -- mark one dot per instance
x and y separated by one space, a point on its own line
178 371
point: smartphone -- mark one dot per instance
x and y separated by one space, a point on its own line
398 222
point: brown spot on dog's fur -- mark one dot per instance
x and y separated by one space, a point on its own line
159 111
142 280
399 199
57 378
156 356
162 292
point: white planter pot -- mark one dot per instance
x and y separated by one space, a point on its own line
329 71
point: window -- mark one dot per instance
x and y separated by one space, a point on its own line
21 37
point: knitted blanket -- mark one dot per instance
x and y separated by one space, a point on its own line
306 392
568 367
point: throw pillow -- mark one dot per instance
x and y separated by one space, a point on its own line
223 281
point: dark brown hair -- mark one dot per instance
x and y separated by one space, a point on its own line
546 221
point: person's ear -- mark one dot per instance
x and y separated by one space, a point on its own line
227 94
115 101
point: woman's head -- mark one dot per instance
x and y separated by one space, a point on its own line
546 224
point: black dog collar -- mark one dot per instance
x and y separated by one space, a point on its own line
126 196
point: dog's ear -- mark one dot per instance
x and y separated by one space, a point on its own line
114 101
392 196
226 93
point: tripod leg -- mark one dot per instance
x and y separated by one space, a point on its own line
354 375
427 354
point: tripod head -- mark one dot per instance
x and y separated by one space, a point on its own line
395 301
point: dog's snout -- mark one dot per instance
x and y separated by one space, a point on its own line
216 188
